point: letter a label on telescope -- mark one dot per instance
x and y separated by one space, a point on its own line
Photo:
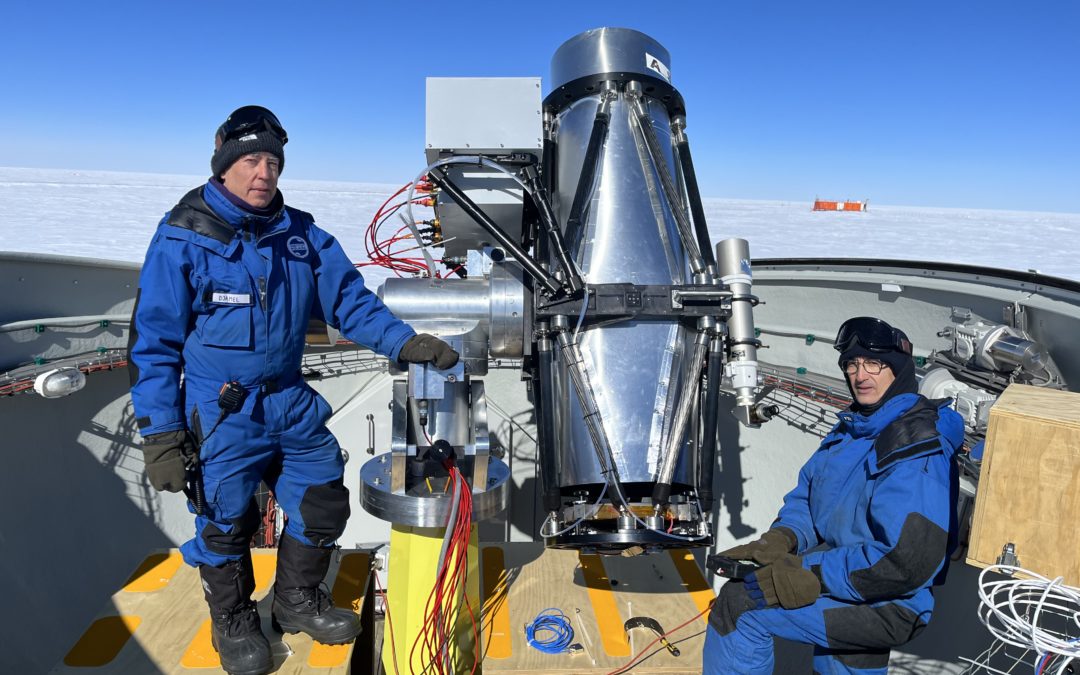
655 64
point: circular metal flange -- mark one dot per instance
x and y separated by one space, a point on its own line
611 543
427 511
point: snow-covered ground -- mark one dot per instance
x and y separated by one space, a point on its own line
112 215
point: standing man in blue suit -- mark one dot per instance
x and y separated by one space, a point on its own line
230 281
850 561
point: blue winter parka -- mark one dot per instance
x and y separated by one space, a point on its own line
225 295
880 494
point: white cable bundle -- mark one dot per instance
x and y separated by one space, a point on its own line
1011 610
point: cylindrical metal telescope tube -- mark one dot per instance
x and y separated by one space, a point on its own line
616 203
733 266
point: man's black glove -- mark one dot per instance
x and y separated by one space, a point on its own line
424 348
165 455
785 582
775 543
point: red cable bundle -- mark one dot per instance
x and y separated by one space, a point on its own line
270 522
440 612
379 251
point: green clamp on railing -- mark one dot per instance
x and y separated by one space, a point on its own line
39 328
104 323
757 332
920 361
102 350
800 371
810 340
39 360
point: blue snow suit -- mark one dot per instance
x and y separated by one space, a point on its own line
880 495
226 295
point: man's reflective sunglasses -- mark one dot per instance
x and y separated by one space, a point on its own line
869 366
873 334
251 119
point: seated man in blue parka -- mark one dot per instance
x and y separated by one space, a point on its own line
231 279
880 495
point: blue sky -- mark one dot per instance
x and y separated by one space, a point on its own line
954 104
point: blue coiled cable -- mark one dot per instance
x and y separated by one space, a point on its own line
556 623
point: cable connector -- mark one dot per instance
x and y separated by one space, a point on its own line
1008 557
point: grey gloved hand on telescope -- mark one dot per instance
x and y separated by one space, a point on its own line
424 348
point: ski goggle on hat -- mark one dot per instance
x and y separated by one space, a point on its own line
873 334
251 119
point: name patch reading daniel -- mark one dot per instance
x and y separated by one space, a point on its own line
231 298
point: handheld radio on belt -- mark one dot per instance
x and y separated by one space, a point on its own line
230 400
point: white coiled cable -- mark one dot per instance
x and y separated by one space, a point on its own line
1012 609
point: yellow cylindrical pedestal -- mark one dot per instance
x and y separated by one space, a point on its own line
414 558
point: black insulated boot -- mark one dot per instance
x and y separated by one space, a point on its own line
301 604
235 631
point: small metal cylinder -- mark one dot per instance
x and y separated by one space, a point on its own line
464 301
1009 352
489 310
733 266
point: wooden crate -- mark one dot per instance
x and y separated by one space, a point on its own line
159 623
1029 490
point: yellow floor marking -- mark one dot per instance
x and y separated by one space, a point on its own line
347 593
608 619
328 656
351 581
102 641
264 566
154 573
496 611
693 580
201 653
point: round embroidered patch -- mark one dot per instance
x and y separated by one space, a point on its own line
297 246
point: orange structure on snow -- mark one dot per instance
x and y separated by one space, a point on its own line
826 205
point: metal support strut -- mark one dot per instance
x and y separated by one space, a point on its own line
713 374
682 144
550 284
686 231
575 366
662 490
587 177
574 284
